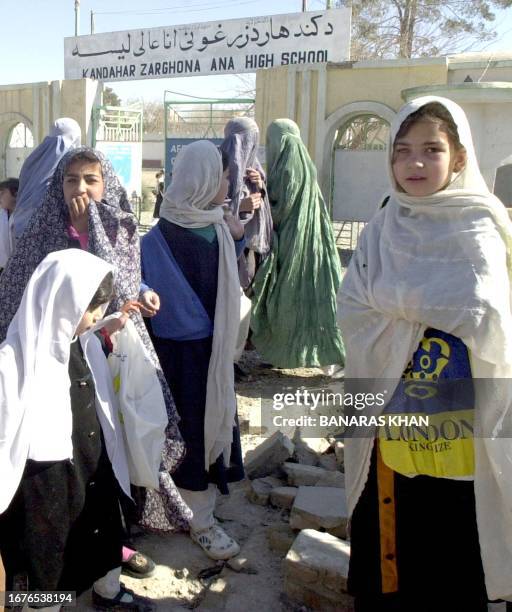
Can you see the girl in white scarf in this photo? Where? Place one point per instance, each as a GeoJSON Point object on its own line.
{"type": "Point", "coordinates": [61, 446]}
{"type": "Point", "coordinates": [436, 258]}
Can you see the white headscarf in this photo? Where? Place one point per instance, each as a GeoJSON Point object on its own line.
{"type": "Point", "coordinates": [35, 404]}
{"type": "Point", "coordinates": [196, 180]}
{"type": "Point", "coordinates": [440, 261]}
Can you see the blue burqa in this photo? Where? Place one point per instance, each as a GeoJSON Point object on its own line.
{"type": "Point", "coordinates": [38, 169]}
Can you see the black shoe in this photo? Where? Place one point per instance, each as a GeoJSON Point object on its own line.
{"type": "Point", "coordinates": [138, 603]}
{"type": "Point", "coordinates": [138, 566]}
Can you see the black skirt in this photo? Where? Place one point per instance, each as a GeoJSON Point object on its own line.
{"type": "Point", "coordinates": [437, 549]}
{"type": "Point", "coordinates": [63, 527]}
{"type": "Point", "coordinates": [185, 365]}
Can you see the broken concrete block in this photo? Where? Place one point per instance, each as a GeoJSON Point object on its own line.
{"type": "Point", "coordinates": [281, 538]}
{"type": "Point", "coordinates": [319, 445]}
{"type": "Point", "coordinates": [283, 497]}
{"type": "Point", "coordinates": [303, 475]}
{"type": "Point", "coordinates": [328, 462]}
{"type": "Point", "coordinates": [322, 508]}
{"type": "Point", "coordinates": [332, 479]}
{"type": "Point", "coordinates": [303, 454]}
{"type": "Point", "coordinates": [260, 488]}
{"type": "Point", "coordinates": [316, 571]}
{"type": "Point", "coordinates": [307, 450]}
{"type": "Point", "coordinates": [268, 456]}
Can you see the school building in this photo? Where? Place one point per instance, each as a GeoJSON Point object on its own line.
{"type": "Point", "coordinates": [343, 111]}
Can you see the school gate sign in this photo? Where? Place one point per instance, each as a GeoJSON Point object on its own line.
{"type": "Point", "coordinates": [227, 47]}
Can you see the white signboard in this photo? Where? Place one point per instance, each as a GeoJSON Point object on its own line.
{"type": "Point", "coordinates": [233, 46]}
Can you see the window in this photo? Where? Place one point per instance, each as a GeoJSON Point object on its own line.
{"type": "Point", "coordinates": [21, 137]}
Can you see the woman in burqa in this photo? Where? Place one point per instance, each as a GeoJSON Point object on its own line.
{"type": "Point", "coordinates": [38, 169]}
{"type": "Point", "coordinates": [247, 193]}
{"type": "Point", "coordinates": [294, 304]}
{"type": "Point", "coordinates": [112, 235]}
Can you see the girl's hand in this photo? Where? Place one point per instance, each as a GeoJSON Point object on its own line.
{"type": "Point", "coordinates": [236, 229]}
{"type": "Point", "coordinates": [255, 177]}
{"type": "Point", "coordinates": [79, 213]}
{"type": "Point", "coordinates": [250, 203]}
{"type": "Point", "coordinates": [149, 304]}
{"type": "Point", "coordinates": [115, 325]}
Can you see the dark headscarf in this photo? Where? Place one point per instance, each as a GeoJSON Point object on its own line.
{"type": "Point", "coordinates": [240, 144]}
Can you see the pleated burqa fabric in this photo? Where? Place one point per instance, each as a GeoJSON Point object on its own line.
{"type": "Point", "coordinates": [294, 304]}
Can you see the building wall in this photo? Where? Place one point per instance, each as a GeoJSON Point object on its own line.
{"type": "Point", "coordinates": [320, 99]}
{"type": "Point", "coordinates": [38, 105]}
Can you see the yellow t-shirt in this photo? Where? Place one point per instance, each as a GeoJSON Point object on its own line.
{"type": "Point", "coordinates": [437, 384]}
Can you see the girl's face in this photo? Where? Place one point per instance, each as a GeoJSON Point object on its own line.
{"type": "Point", "coordinates": [222, 194]}
{"type": "Point", "coordinates": [82, 178]}
{"type": "Point", "coordinates": [7, 200]}
{"type": "Point", "coordinates": [90, 318]}
{"type": "Point", "coordinates": [424, 159]}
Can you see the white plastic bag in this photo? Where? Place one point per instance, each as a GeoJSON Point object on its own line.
{"type": "Point", "coordinates": [141, 403]}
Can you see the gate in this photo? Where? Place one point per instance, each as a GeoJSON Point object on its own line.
{"type": "Point", "coordinates": [359, 175]}
{"type": "Point", "coordinates": [117, 132]}
{"type": "Point", "coordinates": [198, 118]}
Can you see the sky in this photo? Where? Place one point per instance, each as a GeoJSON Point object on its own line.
{"type": "Point", "coordinates": [31, 47]}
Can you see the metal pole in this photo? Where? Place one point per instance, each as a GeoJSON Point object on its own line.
{"type": "Point", "coordinates": [77, 16]}
{"type": "Point", "coordinates": [92, 22]}
{"type": "Point", "coordinates": [304, 5]}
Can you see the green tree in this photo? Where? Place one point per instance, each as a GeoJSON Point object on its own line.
{"type": "Point", "coordinates": [153, 117]}
{"type": "Point", "coordinates": [416, 28]}
{"type": "Point", "coordinates": [110, 98]}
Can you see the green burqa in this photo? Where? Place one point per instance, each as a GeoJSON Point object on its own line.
{"type": "Point", "coordinates": [294, 303]}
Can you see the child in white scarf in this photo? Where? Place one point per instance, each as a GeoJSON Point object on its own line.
{"type": "Point", "coordinates": [62, 455]}
{"type": "Point", "coordinates": [434, 261]}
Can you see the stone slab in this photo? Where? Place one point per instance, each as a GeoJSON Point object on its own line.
{"type": "Point", "coordinates": [268, 456]}
{"type": "Point", "coordinates": [316, 571]}
{"type": "Point", "coordinates": [260, 488]}
{"type": "Point", "coordinates": [303, 475]}
{"type": "Point", "coordinates": [283, 497]}
{"type": "Point", "coordinates": [322, 508]}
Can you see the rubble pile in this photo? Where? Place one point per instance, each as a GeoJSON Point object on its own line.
{"type": "Point", "coordinates": [305, 479]}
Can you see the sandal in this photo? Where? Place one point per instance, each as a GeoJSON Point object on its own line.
{"type": "Point", "coordinates": [135, 603]}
